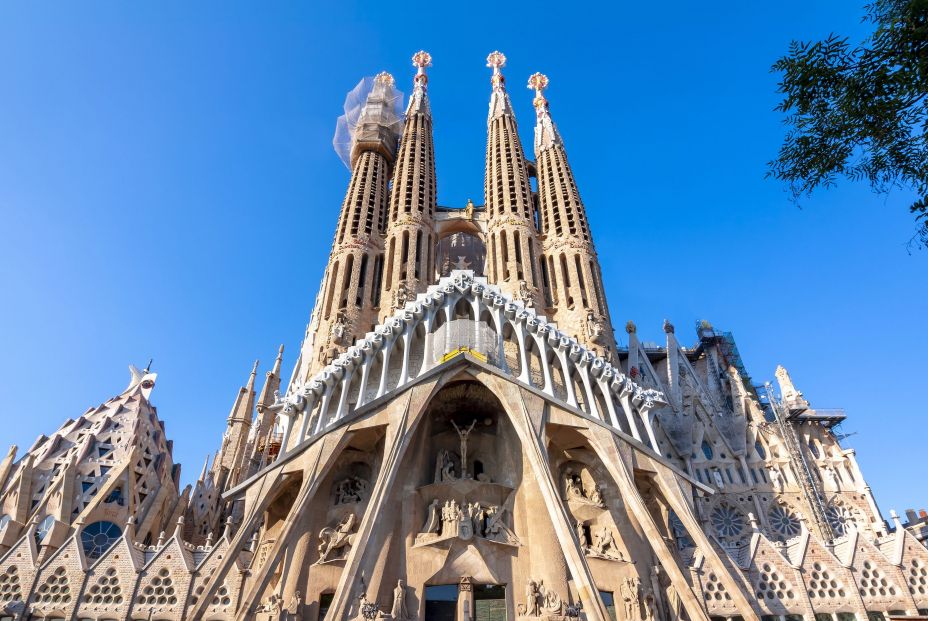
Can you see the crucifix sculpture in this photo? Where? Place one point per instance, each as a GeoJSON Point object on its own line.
{"type": "Point", "coordinates": [463, 435]}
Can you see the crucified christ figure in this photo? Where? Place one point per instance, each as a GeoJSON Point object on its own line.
{"type": "Point", "coordinates": [463, 434]}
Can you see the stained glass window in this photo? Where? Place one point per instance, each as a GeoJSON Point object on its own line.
{"type": "Point", "coordinates": [98, 537]}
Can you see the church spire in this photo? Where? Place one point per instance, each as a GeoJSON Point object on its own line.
{"type": "Point", "coordinates": [570, 267]}
{"type": "Point", "coordinates": [419, 102]}
{"type": "Point", "coordinates": [237, 431]}
{"type": "Point", "coordinates": [350, 294]}
{"type": "Point", "coordinates": [499, 98]}
{"type": "Point", "coordinates": [410, 239]}
{"type": "Point", "coordinates": [512, 235]}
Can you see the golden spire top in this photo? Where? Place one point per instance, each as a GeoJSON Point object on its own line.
{"type": "Point", "coordinates": [421, 60]}
{"type": "Point", "coordinates": [384, 78]}
{"type": "Point", "coordinates": [538, 82]}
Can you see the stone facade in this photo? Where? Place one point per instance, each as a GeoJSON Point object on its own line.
{"type": "Point", "coordinates": [462, 438]}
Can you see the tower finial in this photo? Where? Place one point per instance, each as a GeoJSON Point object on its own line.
{"type": "Point", "coordinates": [421, 60]}
{"type": "Point", "coordinates": [538, 82]}
{"type": "Point", "coordinates": [496, 60]}
{"type": "Point", "coordinates": [384, 78]}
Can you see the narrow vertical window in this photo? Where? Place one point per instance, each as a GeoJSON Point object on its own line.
{"type": "Point", "coordinates": [333, 283]}
{"type": "Point", "coordinates": [362, 278]}
{"type": "Point", "coordinates": [404, 256]}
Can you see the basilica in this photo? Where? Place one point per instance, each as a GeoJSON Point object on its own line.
{"type": "Point", "coordinates": [462, 437]}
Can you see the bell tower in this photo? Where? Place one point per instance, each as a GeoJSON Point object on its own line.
{"type": "Point", "coordinates": [512, 235]}
{"type": "Point", "coordinates": [410, 241]}
{"type": "Point", "coordinates": [573, 284]}
{"type": "Point", "coordinates": [346, 308]}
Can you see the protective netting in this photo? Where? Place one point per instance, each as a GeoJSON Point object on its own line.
{"type": "Point", "coordinates": [371, 107]}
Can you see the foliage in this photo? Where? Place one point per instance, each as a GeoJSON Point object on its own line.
{"type": "Point", "coordinates": [860, 112]}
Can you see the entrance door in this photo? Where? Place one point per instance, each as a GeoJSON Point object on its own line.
{"type": "Point", "coordinates": [489, 602]}
{"type": "Point", "coordinates": [441, 602]}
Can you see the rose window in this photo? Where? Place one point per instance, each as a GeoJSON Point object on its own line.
{"type": "Point", "coordinates": [98, 537]}
{"type": "Point", "coordinates": [839, 518]}
{"type": "Point", "coordinates": [783, 522]}
{"type": "Point", "coordinates": [727, 520]}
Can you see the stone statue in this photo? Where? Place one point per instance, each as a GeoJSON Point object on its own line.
{"type": "Point", "coordinates": [604, 545]}
{"type": "Point", "coordinates": [444, 467]}
{"type": "Point", "coordinates": [464, 435]}
{"type": "Point", "coordinates": [496, 530]}
{"type": "Point", "coordinates": [433, 523]}
{"type": "Point", "coordinates": [399, 612]}
{"type": "Point", "coordinates": [629, 590]}
{"type": "Point", "coordinates": [295, 607]}
{"type": "Point", "coordinates": [552, 602]}
{"type": "Point", "coordinates": [595, 329]}
{"type": "Point", "coordinates": [525, 295]}
{"type": "Point", "coordinates": [532, 597]}
{"type": "Point", "coordinates": [351, 490]}
{"type": "Point", "coordinates": [332, 539]}
{"type": "Point", "coordinates": [572, 483]}
{"type": "Point", "coordinates": [583, 488]}
{"type": "Point", "coordinates": [477, 516]}
{"type": "Point", "coordinates": [582, 537]}
{"type": "Point", "coordinates": [451, 515]}
{"type": "Point", "coordinates": [776, 478]}
{"type": "Point", "coordinates": [341, 329]}
{"type": "Point", "coordinates": [719, 482]}
{"type": "Point", "coordinates": [401, 296]}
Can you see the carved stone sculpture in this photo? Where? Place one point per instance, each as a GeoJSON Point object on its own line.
{"type": "Point", "coordinates": [464, 434]}
{"type": "Point", "coordinates": [582, 536]}
{"type": "Point", "coordinates": [582, 488]}
{"type": "Point", "coordinates": [629, 589]}
{"type": "Point", "coordinates": [295, 607]}
{"type": "Point", "coordinates": [399, 612]}
{"type": "Point", "coordinates": [333, 539]}
{"type": "Point", "coordinates": [776, 478]}
{"type": "Point", "coordinates": [351, 490]}
{"type": "Point", "coordinates": [444, 467]}
{"type": "Point", "coordinates": [433, 522]}
{"type": "Point", "coordinates": [532, 599]}
{"type": "Point", "coordinates": [595, 327]}
{"type": "Point", "coordinates": [496, 529]}
{"type": "Point", "coordinates": [401, 296]}
{"type": "Point", "coordinates": [604, 545]}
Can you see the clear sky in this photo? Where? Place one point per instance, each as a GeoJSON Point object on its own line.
{"type": "Point", "coordinates": [168, 189]}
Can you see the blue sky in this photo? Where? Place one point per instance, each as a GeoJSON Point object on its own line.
{"type": "Point", "coordinates": [168, 189]}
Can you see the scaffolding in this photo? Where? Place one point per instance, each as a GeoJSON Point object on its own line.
{"type": "Point", "coordinates": [810, 487]}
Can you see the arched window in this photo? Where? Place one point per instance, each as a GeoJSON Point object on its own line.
{"type": "Point", "coordinates": [707, 449]}
{"type": "Point", "coordinates": [98, 537]}
{"type": "Point", "coordinates": [4, 520]}
{"type": "Point", "coordinates": [42, 528]}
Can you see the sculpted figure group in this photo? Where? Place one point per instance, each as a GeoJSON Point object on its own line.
{"type": "Point", "coordinates": [582, 488]}
{"type": "Point", "coordinates": [603, 543]}
{"type": "Point", "coordinates": [335, 541]}
{"type": "Point", "coordinates": [351, 490]}
{"type": "Point", "coordinates": [449, 519]}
